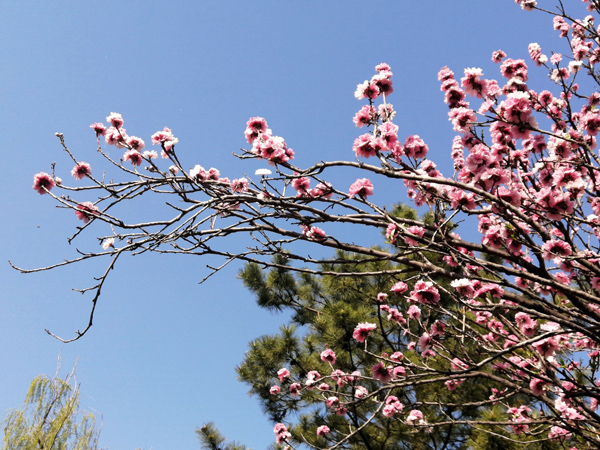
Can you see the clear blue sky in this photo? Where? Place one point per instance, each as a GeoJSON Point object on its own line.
{"type": "Point", "coordinates": [160, 360]}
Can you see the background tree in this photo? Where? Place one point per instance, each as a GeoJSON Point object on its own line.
{"type": "Point", "coordinates": [324, 312]}
{"type": "Point", "coordinates": [51, 419]}
{"type": "Point", "coordinates": [526, 294]}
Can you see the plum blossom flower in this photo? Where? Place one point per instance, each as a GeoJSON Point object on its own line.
{"type": "Point", "coordinates": [552, 249]}
{"type": "Point", "coordinates": [81, 170]}
{"type": "Point", "coordinates": [361, 187]}
{"type": "Point", "coordinates": [323, 430]}
{"type": "Point", "coordinates": [498, 55]}
{"type": "Point", "coordinates": [282, 374]}
{"type": "Point", "coordinates": [262, 172]}
{"type": "Point", "coordinates": [414, 417]}
{"type": "Point", "coordinates": [558, 433]}
{"type": "Point", "coordinates": [313, 233]}
{"type": "Point", "coordinates": [415, 147]}
{"type": "Point", "coordinates": [295, 389]}
{"type": "Point", "coordinates": [399, 288]}
{"type": "Point", "coordinates": [42, 182]}
{"type": "Point", "coordinates": [281, 433]}
{"type": "Point", "coordinates": [254, 128]}
{"type": "Point", "coordinates": [392, 406]}
{"type": "Point", "coordinates": [135, 143]}
{"type": "Point", "coordinates": [133, 156]}
{"type": "Point", "coordinates": [274, 390]}
{"type": "Point", "coordinates": [546, 347]}
{"type": "Point", "coordinates": [361, 392]}
{"type": "Point", "coordinates": [424, 292]}
{"type": "Point", "coordinates": [108, 243]}
{"type": "Point", "coordinates": [415, 231]}
{"type": "Point", "coordinates": [328, 356]}
{"type": "Point", "coordinates": [363, 330]}
{"type": "Point", "coordinates": [414, 312]}
{"type": "Point", "coordinates": [239, 185]}
{"type": "Point", "coordinates": [85, 211]}
{"type": "Point", "coordinates": [150, 154]}
{"type": "Point", "coordinates": [381, 372]}
{"type": "Point", "coordinates": [99, 128]}
{"type": "Point", "coordinates": [115, 119]}
{"type": "Point", "coordinates": [368, 89]}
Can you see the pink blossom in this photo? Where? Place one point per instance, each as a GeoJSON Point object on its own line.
{"type": "Point", "coordinates": [415, 147]}
{"type": "Point", "coordinates": [365, 116]}
{"type": "Point", "coordinates": [414, 417]}
{"type": "Point", "coordinates": [135, 143]}
{"type": "Point", "coordinates": [42, 182]}
{"type": "Point", "coordinates": [398, 371]}
{"type": "Point", "coordinates": [274, 150]}
{"type": "Point", "coordinates": [323, 430]}
{"type": "Point", "coordinates": [552, 249]}
{"type": "Point", "coordinates": [399, 288]}
{"type": "Point", "coordinates": [381, 372]}
{"type": "Point", "coordinates": [281, 433]}
{"type": "Point", "coordinates": [525, 323]}
{"type": "Point", "coordinates": [133, 156]}
{"type": "Point", "coordinates": [295, 389]}
{"type": "Point", "coordinates": [397, 356]}
{"type": "Point", "coordinates": [99, 128]}
{"type": "Point", "coordinates": [453, 383]}
{"type": "Point", "coordinates": [546, 347]}
{"type": "Point", "coordinates": [282, 374]}
{"type": "Point", "coordinates": [558, 433]}
{"type": "Point", "coordinates": [254, 128]}
{"type": "Point", "coordinates": [239, 185]}
{"type": "Point", "coordinates": [361, 187]}
{"type": "Point", "coordinates": [332, 401]}
{"type": "Point", "coordinates": [498, 55]}
{"type": "Point", "coordinates": [363, 330]}
{"type": "Point", "coordinates": [414, 312]}
{"type": "Point", "coordinates": [328, 356]}
{"type": "Point", "coordinates": [162, 136]}
{"type": "Point", "coordinates": [311, 379]}
{"type": "Point", "coordinates": [462, 119]}
{"type": "Point", "coordinates": [115, 120]}
{"type": "Point", "coordinates": [151, 154]}
{"type": "Point", "coordinates": [361, 392]}
{"type": "Point", "coordinates": [115, 136]}
{"type": "Point", "coordinates": [424, 292]}
{"type": "Point", "coordinates": [415, 231]}
{"type": "Point", "coordinates": [368, 89]}
{"type": "Point", "coordinates": [537, 386]}
{"type": "Point", "coordinates": [382, 297]}
{"type": "Point", "coordinates": [274, 390]}
{"type": "Point", "coordinates": [313, 233]}
{"type": "Point", "coordinates": [81, 170]}
{"type": "Point", "coordinates": [85, 211]}
{"type": "Point", "coordinates": [322, 190]}
{"type": "Point", "coordinates": [392, 406]}
{"type": "Point", "coordinates": [425, 342]}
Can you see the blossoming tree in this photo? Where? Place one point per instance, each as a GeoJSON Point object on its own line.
{"type": "Point", "coordinates": [527, 293]}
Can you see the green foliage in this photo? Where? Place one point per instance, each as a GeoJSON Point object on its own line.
{"type": "Point", "coordinates": [212, 439]}
{"type": "Point", "coordinates": [326, 309]}
{"type": "Point", "coordinates": [50, 419]}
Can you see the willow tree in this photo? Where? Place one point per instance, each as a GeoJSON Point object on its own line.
{"type": "Point", "coordinates": [50, 419]}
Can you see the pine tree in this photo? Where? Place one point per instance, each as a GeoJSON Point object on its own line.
{"type": "Point", "coordinates": [324, 312]}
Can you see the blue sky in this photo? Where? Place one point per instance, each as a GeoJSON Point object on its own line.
{"type": "Point", "coordinates": [160, 359]}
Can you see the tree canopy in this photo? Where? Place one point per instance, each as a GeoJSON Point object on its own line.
{"type": "Point", "coordinates": [494, 338]}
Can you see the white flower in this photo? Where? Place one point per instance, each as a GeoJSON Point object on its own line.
{"type": "Point", "coordinates": [463, 282]}
{"type": "Point", "coordinates": [108, 243]}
